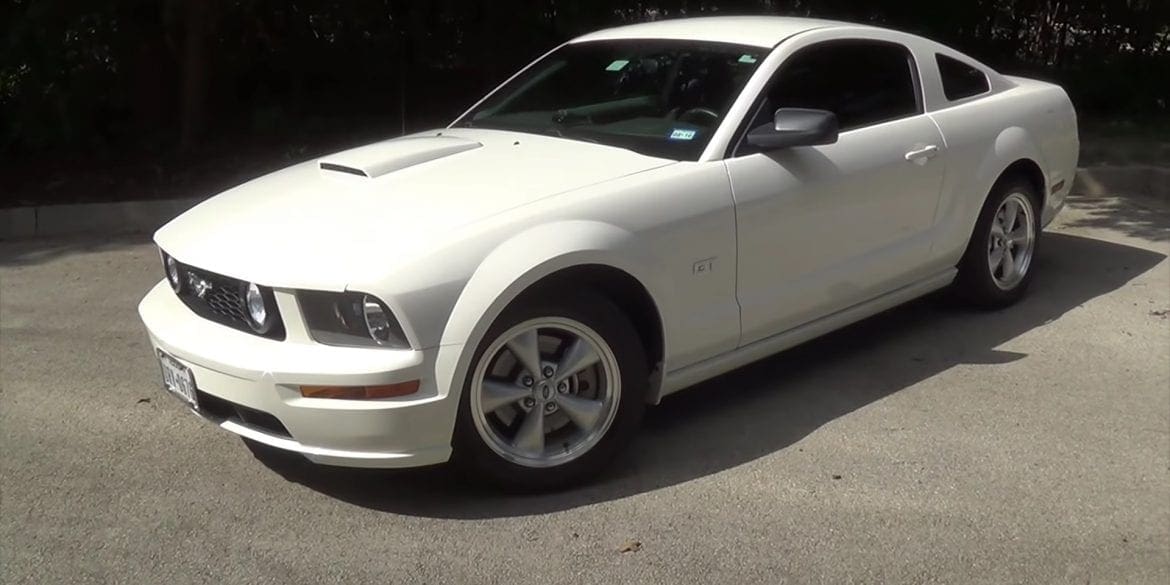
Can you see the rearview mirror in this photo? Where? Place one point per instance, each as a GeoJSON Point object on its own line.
{"type": "Point", "coordinates": [795, 127]}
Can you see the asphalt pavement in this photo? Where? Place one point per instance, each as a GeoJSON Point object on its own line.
{"type": "Point", "coordinates": [930, 444]}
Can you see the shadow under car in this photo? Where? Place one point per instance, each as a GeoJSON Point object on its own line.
{"type": "Point", "coordinates": [767, 406]}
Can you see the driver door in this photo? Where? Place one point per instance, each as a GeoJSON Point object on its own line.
{"type": "Point", "coordinates": [822, 228]}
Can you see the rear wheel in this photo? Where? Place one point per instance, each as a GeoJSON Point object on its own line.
{"type": "Point", "coordinates": [554, 391]}
{"type": "Point", "coordinates": [998, 265]}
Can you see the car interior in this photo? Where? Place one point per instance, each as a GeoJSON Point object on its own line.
{"type": "Point", "coordinates": [662, 98]}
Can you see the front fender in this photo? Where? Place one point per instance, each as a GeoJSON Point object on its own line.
{"type": "Point", "coordinates": [521, 261]}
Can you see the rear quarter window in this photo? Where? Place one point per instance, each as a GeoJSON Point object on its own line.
{"type": "Point", "coordinates": [960, 80]}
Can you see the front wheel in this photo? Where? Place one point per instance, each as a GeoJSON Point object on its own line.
{"type": "Point", "coordinates": [998, 265]}
{"type": "Point", "coordinates": [554, 391]}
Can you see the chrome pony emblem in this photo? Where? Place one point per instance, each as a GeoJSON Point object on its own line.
{"type": "Point", "coordinates": [198, 285]}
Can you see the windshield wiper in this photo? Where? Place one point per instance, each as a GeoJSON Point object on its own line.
{"type": "Point", "coordinates": [560, 132]}
{"type": "Point", "coordinates": [569, 118]}
{"type": "Point", "coordinates": [557, 131]}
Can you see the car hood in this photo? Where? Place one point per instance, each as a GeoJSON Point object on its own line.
{"type": "Point", "coordinates": [317, 224]}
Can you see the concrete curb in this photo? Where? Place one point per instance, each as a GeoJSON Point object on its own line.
{"type": "Point", "coordinates": [146, 216]}
{"type": "Point", "coordinates": [83, 218]}
{"type": "Point", "coordinates": [1148, 181]}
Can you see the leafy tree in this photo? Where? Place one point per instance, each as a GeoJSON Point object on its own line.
{"type": "Point", "coordinates": [163, 75]}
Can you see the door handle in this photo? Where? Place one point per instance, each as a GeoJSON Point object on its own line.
{"type": "Point", "coordinates": [922, 155]}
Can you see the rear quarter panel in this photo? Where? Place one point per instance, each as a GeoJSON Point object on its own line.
{"type": "Point", "coordinates": [1030, 120]}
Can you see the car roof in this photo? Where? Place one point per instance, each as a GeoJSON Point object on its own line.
{"type": "Point", "coordinates": [760, 31]}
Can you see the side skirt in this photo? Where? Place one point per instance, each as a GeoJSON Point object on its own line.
{"type": "Point", "coordinates": [682, 378]}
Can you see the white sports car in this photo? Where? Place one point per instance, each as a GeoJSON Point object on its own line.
{"type": "Point", "coordinates": [640, 209]}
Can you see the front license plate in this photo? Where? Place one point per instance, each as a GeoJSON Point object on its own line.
{"type": "Point", "coordinates": [177, 379]}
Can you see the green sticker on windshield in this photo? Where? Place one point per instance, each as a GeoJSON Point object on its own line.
{"type": "Point", "coordinates": [618, 65]}
{"type": "Point", "coordinates": [745, 58]}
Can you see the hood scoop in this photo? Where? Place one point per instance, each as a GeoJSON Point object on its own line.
{"type": "Point", "coordinates": [382, 158]}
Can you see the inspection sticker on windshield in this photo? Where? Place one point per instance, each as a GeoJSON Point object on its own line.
{"type": "Point", "coordinates": [681, 134]}
{"type": "Point", "coordinates": [746, 58]}
{"type": "Point", "coordinates": [618, 65]}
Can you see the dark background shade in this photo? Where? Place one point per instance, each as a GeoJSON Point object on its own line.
{"type": "Point", "coordinates": [149, 98]}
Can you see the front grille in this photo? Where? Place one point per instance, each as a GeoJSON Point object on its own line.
{"type": "Point", "coordinates": [219, 409]}
{"type": "Point", "coordinates": [227, 303]}
{"type": "Point", "coordinates": [220, 298]}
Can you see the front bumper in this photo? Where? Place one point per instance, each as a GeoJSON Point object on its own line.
{"type": "Point", "coordinates": [263, 376]}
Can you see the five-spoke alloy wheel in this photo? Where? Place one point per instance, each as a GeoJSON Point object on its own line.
{"type": "Point", "coordinates": [1013, 236]}
{"type": "Point", "coordinates": [554, 390]}
{"type": "Point", "coordinates": [997, 266]}
{"type": "Point", "coordinates": [546, 392]}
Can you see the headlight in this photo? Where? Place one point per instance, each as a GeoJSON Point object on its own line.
{"type": "Point", "coordinates": [379, 323]}
{"type": "Point", "coordinates": [255, 301]}
{"type": "Point", "coordinates": [352, 318]}
{"type": "Point", "coordinates": [172, 269]}
{"type": "Point", "coordinates": [260, 304]}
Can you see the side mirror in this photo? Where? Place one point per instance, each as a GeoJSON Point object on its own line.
{"type": "Point", "coordinates": [795, 127]}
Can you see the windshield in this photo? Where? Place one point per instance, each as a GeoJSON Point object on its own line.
{"type": "Point", "coordinates": [661, 98]}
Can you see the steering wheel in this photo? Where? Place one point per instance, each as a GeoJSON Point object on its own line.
{"type": "Point", "coordinates": [700, 116]}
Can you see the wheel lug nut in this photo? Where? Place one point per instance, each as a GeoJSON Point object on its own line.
{"type": "Point", "coordinates": [526, 380]}
{"type": "Point", "coordinates": [563, 387]}
{"type": "Point", "coordinates": [528, 402]}
{"type": "Point", "coordinates": [548, 371]}
{"type": "Point", "coordinates": [550, 407]}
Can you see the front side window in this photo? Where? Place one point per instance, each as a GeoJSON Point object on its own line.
{"type": "Point", "coordinates": [862, 82]}
{"type": "Point", "coordinates": [661, 98]}
{"type": "Point", "coordinates": [960, 80]}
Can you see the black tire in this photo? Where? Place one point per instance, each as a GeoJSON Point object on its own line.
{"type": "Point", "coordinates": [976, 282]}
{"type": "Point", "coordinates": [474, 457]}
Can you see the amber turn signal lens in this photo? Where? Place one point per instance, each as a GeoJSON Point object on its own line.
{"type": "Point", "coordinates": [360, 392]}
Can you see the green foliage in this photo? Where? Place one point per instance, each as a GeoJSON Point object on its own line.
{"type": "Point", "coordinates": [85, 76]}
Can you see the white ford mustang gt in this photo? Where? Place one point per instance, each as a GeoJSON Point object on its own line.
{"type": "Point", "coordinates": [638, 210]}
